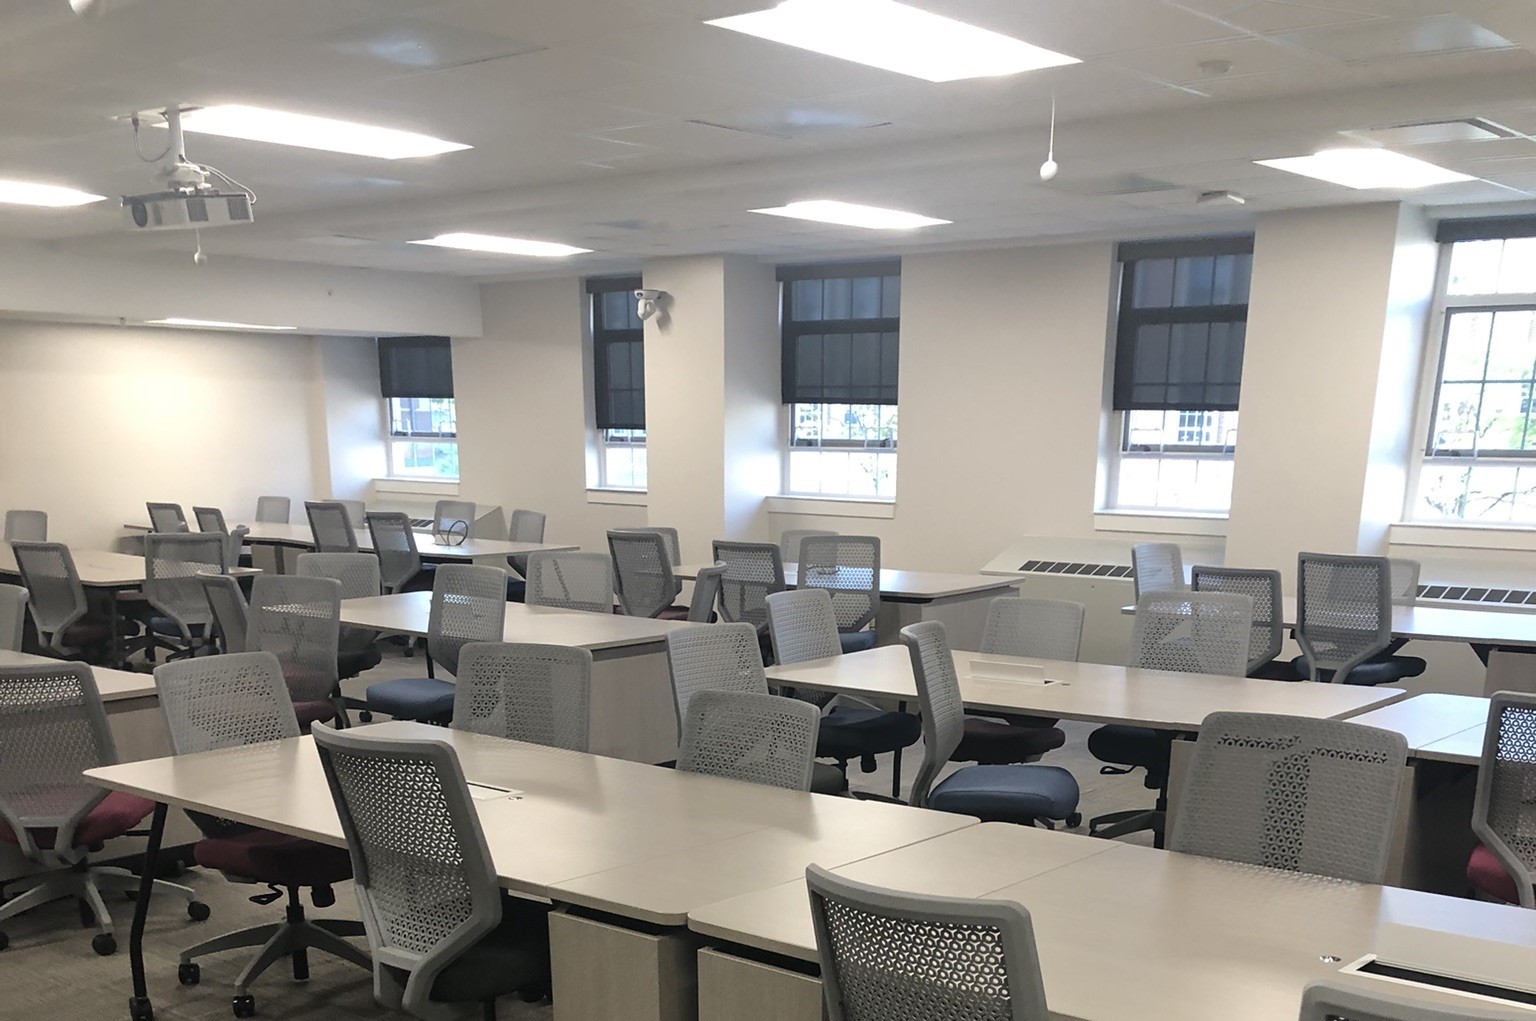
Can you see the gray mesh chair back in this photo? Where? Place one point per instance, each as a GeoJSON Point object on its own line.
{"type": "Point", "coordinates": [713, 657]}
{"type": "Point", "coordinates": [706, 593]}
{"type": "Point", "coordinates": [173, 566]}
{"type": "Point", "coordinates": [642, 572]}
{"type": "Point", "coordinates": [887, 955]}
{"type": "Point", "coordinates": [789, 542]}
{"type": "Point", "coordinates": [166, 517]}
{"type": "Point", "coordinates": [395, 545]}
{"type": "Point", "coordinates": [1192, 632]}
{"type": "Point", "coordinates": [938, 692]}
{"type": "Point", "coordinates": [214, 702]}
{"type": "Point", "coordinates": [669, 539]}
{"type": "Point", "coordinates": [298, 620]}
{"type": "Point", "coordinates": [469, 604]}
{"type": "Point", "coordinates": [26, 526]}
{"type": "Point", "coordinates": [1404, 582]}
{"type": "Point", "coordinates": [53, 587]}
{"type": "Point", "coordinates": [1291, 793]}
{"type": "Point", "coordinates": [454, 516]}
{"type": "Point", "coordinates": [52, 726]}
{"type": "Point", "coordinates": [331, 526]}
{"type": "Point", "coordinates": [1036, 628]}
{"type": "Point", "coordinates": [358, 573]}
{"type": "Point", "coordinates": [1263, 587]}
{"type": "Point", "coordinates": [13, 616]}
{"type": "Point", "coordinates": [802, 627]}
{"type": "Point", "coordinates": [541, 694]}
{"type": "Point", "coordinates": [1334, 1001]}
{"type": "Point", "coordinates": [209, 519]}
{"type": "Point", "coordinates": [357, 511]}
{"type": "Point", "coordinates": [423, 875]}
{"type": "Point", "coordinates": [571, 581]}
{"type": "Point", "coordinates": [274, 510]}
{"type": "Point", "coordinates": [848, 568]}
{"type": "Point", "coordinates": [527, 526]}
{"type": "Point", "coordinates": [750, 736]}
{"type": "Point", "coordinates": [1343, 611]}
{"type": "Point", "coordinates": [753, 571]}
{"type": "Point", "coordinates": [230, 613]}
{"type": "Point", "coordinates": [1503, 812]}
{"type": "Point", "coordinates": [1157, 567]}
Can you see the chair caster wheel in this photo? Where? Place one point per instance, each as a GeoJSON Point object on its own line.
{"type": "Point", "coordinates": [1074, 820]}
{"type": "Point", "coordinates": [104, 943]}
{"type": "Point", "coordinates": [140, 1009]}
{"type": "Point", "coordinates": [198, 911]}
{"type": "Point", "coordinates": [189, 973]}
{"type": "Point", "coordinates": [365, 716]}
{"type": "Point", "coordinates": [243, 1006]}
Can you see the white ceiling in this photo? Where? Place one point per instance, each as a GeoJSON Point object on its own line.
{"type": "Point", "coordinates": [598, 122]}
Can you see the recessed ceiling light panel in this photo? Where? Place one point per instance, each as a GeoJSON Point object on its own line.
{"type": "Point", "coordinates": [1367, 168]}
{"type": "Point", "coordinates": [216, 324]}
{"type": "Point", "coordinates": [850, 214]}
{"type": "Point", "coordinates": [495, 245]}
{"type": "Point", "coordinates": [51, 196]}
{"type": "Point", "coordinates": [894, 37]}
{"type": "Point", "coordinates": [281, 128]}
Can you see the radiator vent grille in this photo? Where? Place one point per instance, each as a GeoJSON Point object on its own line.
{"type": "Point", "coordinates": [1063, 567]}
{"type": "Point", "coordinates": [1478, 594]}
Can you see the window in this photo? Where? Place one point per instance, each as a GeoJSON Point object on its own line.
{"type": "Point", "coordinates": [840, 332]}
{"type": "Point", "coordinates": [1479, 461]}
{"type": "Point", "coordinates": [1178, 370]}
{"type": "Point", "coordinates": [618, 378]}
{"type": "Point", "coordinates": [416, 381]}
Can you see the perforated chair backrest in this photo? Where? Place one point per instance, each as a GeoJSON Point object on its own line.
{"type": "Point", "coordinates": [888, 955]}
{"type": "Point", "coordinates": [213, 702]}
{"type": "Point", "coordinates": [1292, 793]}
{"type": "Point", "coordinates": [750, 736]}
{"type": "Point", "coordinates": [173, 564]}
{"type": "Point", "coordinates": [848, 567]}
{"type": "Point", "coordinates": [1263, 587]}
{"type": "Point", "coordinates": [358, 573]}
{"type": "Point", "coordinates": [298, 620]}
{"type": "Point", "coordinates": [26, 526]}
{"type": "Point", "coordinates": [450, 515]}
{"type": "Point", "coordinates": [1504, 812]}
{"type": "Point", "coordinates": [1192, 632]}
{"type": "Point", "coordinates": [357, 512]}
{"type": "Point", "coordinates": [331, 526]}
{"type": "Point", "coordinates": [526, 692]}
{"type": "Point", "coordinates": [789, 542]}
{"type": "Point", "coordinates": [227, 604]}
{"type": "Point", "coordinates": [425, 883]}
{"type": "Point", "coordinates": [52, 726]}
{"type": "Point", "coordinates": [669, 539]}
{"type": "Point", "coordinates": [395, 545]}
{"type": "Point", "coordinates": [1334, 1001]}
{"type": "Point", "coordinates": [13, 616]}
{"type": "Point", "coordinates": [1036, 628]}
{"type": "Point", "coordinates": [274, 510]}
{"type": "Point", "coordinates": [526, 526]}
{"type": "Point", "coordinates": [713, 657]}
{"type": "Point", "coordinates": [802, 627]}
{"type": "Point", "coordinates": [753, 571]}
{"type": "Point", "coordinates": [1157, 567]}
{"type": "Point", "coordinates": [469, 604]}
{"type": "Point", "coordinates": [166, 517]}
{"type": "Point", "coordinates": [53, 587]}
{"type": "Point", "coordinates": [571, 581]}
{"type": "Point", "coordinates": [938, 692]}
{"type": "Point", "coordinates": [209, 519]}
{"type": "Point", "coordinates": [1404, 581]}
{"type": "Point", "coordinates": [642, 572]}
{"type": "Point", "coordinates": [706, 593]}
{"type": "Point", "coordinates": [1343, 611]}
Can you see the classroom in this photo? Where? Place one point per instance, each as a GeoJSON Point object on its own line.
{"type": "Point", "coordinates": [724, 510]}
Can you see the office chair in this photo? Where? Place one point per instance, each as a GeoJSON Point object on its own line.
{"type": "Point", "coordinates": [331, 524]}
{"type": "Point", "coordinates": [1268, 631]}
{"type": "Point", "coordinates": [571, 581]}
{"type": "Point", "coordinates": [273, 509]}
{"type": "Point", "coordinates": [1344, 621]}
{"type": "Point", "coordinates": [178, 618]}
{"type": "Point", "coordinates": [13, 617]}
{"type": "Point", "coordinates": [909, 957]}
{"type": "Point", "coordinates": [1157, 567]}
{"type": "Point", "coordinates": [230, 613]}
{"type": "Point", "coordinates": [228, 702]}
{"type": "Point", "coordinates": [706, 595]}
{"type": "Point", "coordinates": [643, 573]}
{"type": "Point", "coordinates": [469, 604]}
{"type": "Point", "coordinates": [65, 622]}
{"type": "Point", "coordinates": [166, 517]}
{"type": "Point", "coordinates": [1291, 793]}
{"type": "Point", "coordinates": [1034, 629]}
{"type": "Point", "coordinates": [541, 694]}
{"type": "Point", "coordinates": [753, 571]}
{"type": "Point", "coordinates": [1404, 581]}
{"type": "Point", "coordinates": [713, 657]}
{"type": "Point", "coordinates": [394, 543]}
{"type": "Point", "coordinates": [1503, 814]}
{"type": "Point", "coordinates": [439, 926]}
{"type": "Point", "coordinates": [848, 568]}
{"type": "Point", "coordinates": [527, 526]}
{"type": "Point", "coordinates": [298, 620]}
{"type": "Point", "coordinates": [357, 511]}
{"type": "Point", "coordinates": [789, 542]}
{"type": "Point", "coordinates": [52, 727]}
{"type": "Point", "coordinates": [358, 575]}
{"type": "Point", "coordinates": [26, 526]}
{"type": "Point", "coordinates": [211, 519]}
{"type": "Point", "coordinates": [1375, 1000]}
{"type": "Point", "coordinates": [1017, 793]}
{"type": "Point", "coordinates": [669, 539]}
{"type": "Point", "coordinates": [754, 737]}
{"type": "Point", "coordinates": [1187, 632]}
{"type": "Point", "coordinates": [452, 516]}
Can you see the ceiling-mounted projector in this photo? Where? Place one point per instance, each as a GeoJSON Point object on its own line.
{"type": "Point", "coordinates": [186, 200]}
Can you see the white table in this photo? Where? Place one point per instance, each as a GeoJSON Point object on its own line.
{"type": "Point", "coordinates": [633, 712]}
{"type": "Point", "coordinates": [1428, 721]}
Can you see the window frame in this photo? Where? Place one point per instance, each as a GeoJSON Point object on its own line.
{"type": "Point", "coordinates": [596, 288]}
{"type": "Point", "coordinates": [395, 439]}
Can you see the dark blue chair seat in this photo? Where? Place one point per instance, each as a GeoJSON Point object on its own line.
{"type": "Point", "coordinates": [857, 641]}
{"type": "Point", "coordinates": [1388, 670]}
{"type": "Point", "coordinates": [1017, 794]}
{"type": "Point", "coordinates": [412, 698]}
{"type": "Point", "coordinates": [853, 733]}
{"type": "Point", "coordinates": [510, 958]}
{"type": "Point", "coordinates": [352, 663]}
{"type": "Point", "coordinates": [168, 627]}
{"type": "Point", "coordinates": [517, 590]}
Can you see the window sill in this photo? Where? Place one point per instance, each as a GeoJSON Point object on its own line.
{"type": "Point", "coordinates": [432, 487]}
{"type": "Point", "coordinates": [1464, 535]}
{"type": "Point", "coordinates": [1159, 522]}
{"type": "Point", "coordinates": [831, 506]}
{"type": "Point", "coordinates": [619, 497]}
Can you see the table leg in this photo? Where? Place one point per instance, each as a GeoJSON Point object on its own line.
{"type": "Point", "coordinates": [901, 707]}
{"type": "Point", "coordinates": [117, 634]}
{"type": "Point", "coordinates": [139, 1007]}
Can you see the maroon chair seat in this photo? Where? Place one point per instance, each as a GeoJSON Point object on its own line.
{"type": "Point", "coordinates": [1489, 877]}
{"type": "Point", "coordinates": [310, 713]}
{"type": "Point", "coordinates": [275, 858]}
{"type": "Point", "coordinates": [117, 814]}
{"type": "Point", "coordinates": [673, 613]}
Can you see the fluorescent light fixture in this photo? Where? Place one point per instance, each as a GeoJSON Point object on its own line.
{"type": "Point", "coordinates": [1366, 168]}
{"type": "Point", "coordinates": [215, 324]}
{"type": "Point", "coordinates": [895, 37]}
{"type": "Point", "coordinates": [850, 214]}
{"type": "Point", "coordinates": [306, 132]}
{"type": "Point", "coordinates": [25, 193]}
{"type": "Point", "coordinates": [496, 245]}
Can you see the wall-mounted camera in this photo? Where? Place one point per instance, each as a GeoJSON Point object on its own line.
{"type": "Point", "coordinates": [648, 303]}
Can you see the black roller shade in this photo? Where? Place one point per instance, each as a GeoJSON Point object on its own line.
{"type": "Point", "coordinates": [1182, 324]}
{"type": "Point", "coordinates": [1486, 228]}
{"type": "Point", "coordinates": [618, 353]}
{"type": "Point", "coordinates": [415, 367]}
{"type": "Point", "coordinates": [840, 333]}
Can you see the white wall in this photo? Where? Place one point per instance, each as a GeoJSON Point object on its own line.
{"type": "Point", "coordinates": [350, 447]}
